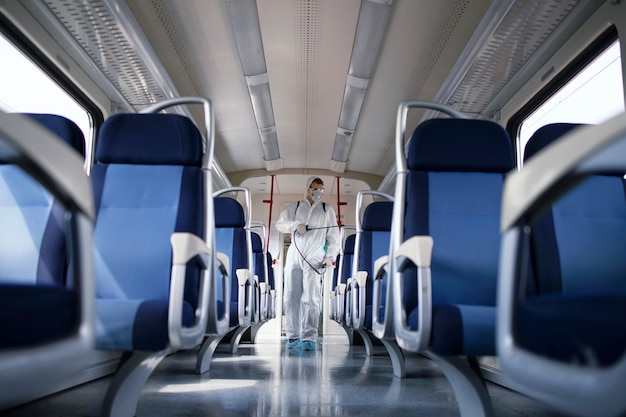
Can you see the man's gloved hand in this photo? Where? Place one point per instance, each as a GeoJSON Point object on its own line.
{"type": "Point", "coordinates": [328, 262]}
{"type": "Point", "coordinates": [301, 229]}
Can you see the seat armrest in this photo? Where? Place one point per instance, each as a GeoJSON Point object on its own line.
{"type": "Point", "coordinates": [418, 251]}
{"type": "Point", "coordinates": [217, 326]}
{"type": "Point", "coordinates": [246, 296]}
{"type": "Point", "coordinates": [358, 299]}
{"type": "Point", "coordinates": [350, 285]}
{"type": "Point", "coordinates": [223, 263]}
{"type": "Point", "coordinates": [361, 279]}
{"type": "Point", "coordinates": [263, 299]}
{"type": "Point", "coordinates": [340, 294]}
{"type": "Point", "coordinates": [382, 329]}
{"type": "Point", "coordinates": [379, 264]}
{"type": "Point", "coordinates": [187, 247]}
{"type": "Point", "coordinates": [244, 276]}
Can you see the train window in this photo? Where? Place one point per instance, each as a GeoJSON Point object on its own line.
{"type": "Point", "coordinates": [593, 95]}
{"type": "Point", "coordinates": [24, 87]}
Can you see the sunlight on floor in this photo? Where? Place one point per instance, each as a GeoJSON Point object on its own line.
{"type": "Point", "coordinates": [209, 385]}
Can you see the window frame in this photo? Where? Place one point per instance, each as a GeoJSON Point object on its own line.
{"type": "Point", "coordinates": [598, 46]}
{"type": "Point", "coordinates": [39, 59]}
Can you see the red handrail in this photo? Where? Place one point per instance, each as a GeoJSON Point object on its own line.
{"type": "Point", "coordinates": [269, 220]}
{"type": "Point", "coordinates": [339, 204]}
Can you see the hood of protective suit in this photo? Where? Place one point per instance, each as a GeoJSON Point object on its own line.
{"type": "Point", "coordinates": [309, 181]}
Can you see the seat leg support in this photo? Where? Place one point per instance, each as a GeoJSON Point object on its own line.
{"type": "Point", "coordinates": [254, 330]}
{"type": "Point", "coordinates": [205, 354]}
{"type": "Point", "coordinates": [468, 386]}
{"type": "Point", "coordinates": [369, 346]}
{"type": "Point", "coordinates": [122, 396]}
{"type": "Point", "coordinates": [234, 341]}
{"type": "Point", "coordinates": [397, 358]}
{"type": "Point", "coordinates": [349, 332]}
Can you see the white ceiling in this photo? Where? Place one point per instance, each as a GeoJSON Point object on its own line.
{"type": "Point", "coordinates": [143, 51]}
{"type": "Point", "coordinates": [307, 46]}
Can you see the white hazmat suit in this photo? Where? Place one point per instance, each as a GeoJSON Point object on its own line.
{"type": "Point", "coordinates": [304, 264]}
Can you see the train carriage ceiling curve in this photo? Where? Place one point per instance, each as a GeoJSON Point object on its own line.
{"type": "Point", "coordinates": [466, 53]}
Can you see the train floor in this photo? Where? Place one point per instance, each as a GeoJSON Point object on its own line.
{"type": "Point", "coordinates": [266, 379]}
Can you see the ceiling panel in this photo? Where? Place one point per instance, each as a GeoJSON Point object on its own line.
{"type": "Point", "coordinates": [307, 50]}
{"type": "Point", "coordinates": [307, 47]}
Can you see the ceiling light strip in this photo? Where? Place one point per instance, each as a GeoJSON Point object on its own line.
{"type": "Point", "coordinates": [244, 19]}
{"type": "Point", "coordinates": [371, 28]}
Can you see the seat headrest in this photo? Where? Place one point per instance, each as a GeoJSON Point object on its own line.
{"type": "Point", "coordinates": [348, 246]}
{"type": "Point", "coordinates": [61, 126]}
{"type": "Point", "coordinates": [545, 135]}
{"type": "Point", "coordinates": [150, 139]}
{"type": "Point", "coordinates": [228, 212]}
{"type": "Point", "coordinates": [377, 216]}
{"type": "Point", "coordinates": [257, 244]}
{"type": "Point", "coordinates": [466, 145]}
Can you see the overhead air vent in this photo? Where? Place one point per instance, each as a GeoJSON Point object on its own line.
{"type": "Point", "coordinates": [115, 46]}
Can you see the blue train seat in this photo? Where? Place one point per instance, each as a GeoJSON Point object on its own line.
{"type": "Point", "coordinates": [344, 272]}
{"type": "Point", "coordinates": [372, 249]}
{"type": "Point", "coordinates": [590, 219]}
{"type": "Point", "coordinates": [261, 294]}
{"type": "Point", "coordinates": [232, 238]}
{"type": "Point", "coordinates": [259, 269]}
{"type": "Point", "coordinates": [372, 243]}
{"type": "Point", "coordinates": [265, 296]}
{"type": "Point", "coordinates": [263, 263]}
{"type": "Point", "coordinates": [152, 264]}
{"type": "Point", "coordinates": [573, 328]}
{"type": "Point", "coordinates": [271, 283]}
{"type": "Point", "coordinates": [333, 307]}
{"type": "Point", "coordinates": [46, 280]}
{"type": "Point", "coordinates": [445, 295]}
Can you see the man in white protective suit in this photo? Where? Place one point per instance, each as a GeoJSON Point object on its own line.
{"type": "Point", "coordinates": [314, 247]}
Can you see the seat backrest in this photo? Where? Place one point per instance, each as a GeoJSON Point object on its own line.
{"type": "Point", "coordinates": [230, 239]}
{"type": "Point", "coordinates": [270, 270]}
{"type": "Point", "coordinates": [373, 243]}
{"type": "Point", "coordinates": [343, 270]}
{"type": "Point", "coordinates": [258, 257]}
{"type": "Point", "coordinates": [32, 243]}
{"type": "Point", "coordinates": [373, 240]}
{"type": "Point", "coordinates": [147, 183]}
{"type": "Point", "coordinates": [347, 259]}
{"type": "Point", "coordinates": [546, 135]}
{"type": "Point", "coordinates": [590, 217]}
{"type": "Point", "coordinates": [453, 193]}
{"type": "Point", "coordinates": [337, 271]}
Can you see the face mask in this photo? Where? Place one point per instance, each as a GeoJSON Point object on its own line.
{"type": "Point", "coordinates": [317, 196]}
